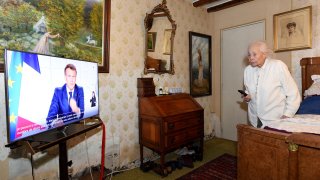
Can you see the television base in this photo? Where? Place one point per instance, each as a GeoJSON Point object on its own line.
{"type": "Point", "coordinates": [43, 141]}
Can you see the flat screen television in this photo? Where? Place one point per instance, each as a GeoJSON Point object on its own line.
{"type": "Point", "coordinates": [45, 92]}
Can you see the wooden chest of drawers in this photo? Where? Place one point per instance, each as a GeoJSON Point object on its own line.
{"type": "Point", "coordinates": [169, 122]}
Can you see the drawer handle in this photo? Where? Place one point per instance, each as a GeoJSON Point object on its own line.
{"type": "Point", "coordinates": [171, 126]}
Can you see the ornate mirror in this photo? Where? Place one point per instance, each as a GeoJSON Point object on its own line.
{"type": "Point", "coordinates": [160, 30]}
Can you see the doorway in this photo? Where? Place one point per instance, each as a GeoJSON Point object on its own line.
{"type": "Point", "coordinates": [234, 45]}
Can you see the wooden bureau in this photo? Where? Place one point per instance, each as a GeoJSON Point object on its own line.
{"type": "Point", "coordinates": [169, 122]}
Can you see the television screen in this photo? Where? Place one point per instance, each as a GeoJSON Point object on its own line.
{"type": "Point", "coordinates": [45, 92]}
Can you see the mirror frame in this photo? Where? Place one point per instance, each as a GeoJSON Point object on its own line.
{"type": "Point", "coordinates": [160, 10]}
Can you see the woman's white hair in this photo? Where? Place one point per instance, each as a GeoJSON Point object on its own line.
{"type": "Point", "coordinates": [263, 47]}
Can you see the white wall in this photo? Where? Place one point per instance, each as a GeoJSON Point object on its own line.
{"type": "Point", "coordinates": [315, 51]}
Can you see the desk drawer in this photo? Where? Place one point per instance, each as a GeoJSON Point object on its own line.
{"type": "Point", "coordinates": [171, 126]}
{"type": "Point", "coordinates": [184, 136]}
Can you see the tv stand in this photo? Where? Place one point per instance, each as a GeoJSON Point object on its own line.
{"type": "Point", "coordinates": [43, 141]}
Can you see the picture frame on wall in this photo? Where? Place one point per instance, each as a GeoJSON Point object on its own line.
{"type": "Point", "coordinates": [167, 41]}
{"type": "Point", "coordinates": [79, 31]}
{"type": "Point", "coordinates": [293, 30]}
{"type": "Point", "coordinates": [151, 41]}
{"type": "Point", "coordinates": [200, 64]}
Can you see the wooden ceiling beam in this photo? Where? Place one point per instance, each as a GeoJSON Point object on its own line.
{"type": "Point", "coordinates": [227, 5]}
{"type": "Point", "coordinates": [203, 2]}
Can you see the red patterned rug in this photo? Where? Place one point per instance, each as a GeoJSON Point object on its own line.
{"type": "Point", "coordinates": [223, 167]}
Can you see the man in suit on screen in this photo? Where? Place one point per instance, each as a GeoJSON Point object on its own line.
{"type": "Point", "coordinates": [68, 101]}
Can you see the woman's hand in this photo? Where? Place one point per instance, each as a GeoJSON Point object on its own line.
{"type": "Point", "coordinates": [246, 98]}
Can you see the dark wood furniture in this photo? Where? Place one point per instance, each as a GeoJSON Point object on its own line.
{"type": "Point", "coordinates": [269, 154]}
{"type": "Point", "coordinates": [262, 154]}
{"type": "Point", "coordinates": [146, 87]}
{"type": "Point", "coordinates": [309, 66]}
{"type": "Point", "coordinates": [169, 122]}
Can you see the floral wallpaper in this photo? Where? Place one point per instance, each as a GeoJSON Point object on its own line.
{"type": "Point", "coordinates": [118, 91]}
{"type": "Point", "coordinates": [127, 63]}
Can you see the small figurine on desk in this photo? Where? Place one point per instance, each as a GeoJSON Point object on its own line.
{"type": "Point", "coordinates": [160, 91]}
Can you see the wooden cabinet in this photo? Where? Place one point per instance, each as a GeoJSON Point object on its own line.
{"type": "Point", "coordinates": [270, 154]}
{"type": "Point", "coordinates": [169, 122]}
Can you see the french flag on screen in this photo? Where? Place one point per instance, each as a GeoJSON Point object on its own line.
{"type": "Point", "coordinates": [19, 125]}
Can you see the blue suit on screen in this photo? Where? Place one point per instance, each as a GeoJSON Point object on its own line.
{"type": "Point", "coordinates": [60, 107]}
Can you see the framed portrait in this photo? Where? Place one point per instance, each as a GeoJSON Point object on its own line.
{"type": "Point", "coordinates": [293, 30]}
{"type": "Point", "coordinates": [200, 64]}
{"type": "Point", "coordinates": [75, 30]}
{"type": "Point", "coordinates": [167, 42]}
{"type": "Point", "coordinates": [151, 41]}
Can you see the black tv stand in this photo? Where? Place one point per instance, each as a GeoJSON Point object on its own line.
{"type": "Point", "coordinates": [54, 137]}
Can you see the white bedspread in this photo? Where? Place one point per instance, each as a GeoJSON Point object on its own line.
{"type": "Point", "coordinates": [308, 123]}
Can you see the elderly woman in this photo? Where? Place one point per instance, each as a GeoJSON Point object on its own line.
{"type": "Point", "coordinates": [272, 93]}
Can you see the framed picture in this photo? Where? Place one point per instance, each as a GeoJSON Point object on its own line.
{"type": "Point", "coordinates": [167, 42]}
{"type": "Point", "coordinates": [293, 30]}
{"type": "Point", "coordinates": [200, 64]}
{"type": "Point", "coordinates": [151, 41]}
{"type": "Point", "coordinates": [75, 30]}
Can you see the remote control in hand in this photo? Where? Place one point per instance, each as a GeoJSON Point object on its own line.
{"type": "Point", "coordinates": [242, 92]}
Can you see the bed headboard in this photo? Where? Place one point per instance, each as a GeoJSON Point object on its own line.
{"type": "Point", "coordinates": [309, 66]}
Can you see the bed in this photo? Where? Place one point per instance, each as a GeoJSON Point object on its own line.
{"type": "Point", "coordinates": [281, 154]}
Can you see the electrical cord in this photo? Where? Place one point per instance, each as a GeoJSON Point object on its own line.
{"type": "Point", "coordinates": [88, 160]}
{"type": "Point", "coordinates": [102, 150]}
{"type": "Point", "coordinates": [112, 169]}
{"type": "Point", "coordinates": [111, 121]}
{"type": "Point", "coordinates": [31, 161]}
{"type": "Point", "coordinates": [119, 171]}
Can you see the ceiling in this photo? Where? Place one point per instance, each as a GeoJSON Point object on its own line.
{"type": "Point", "coordinates": [217, 5]}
